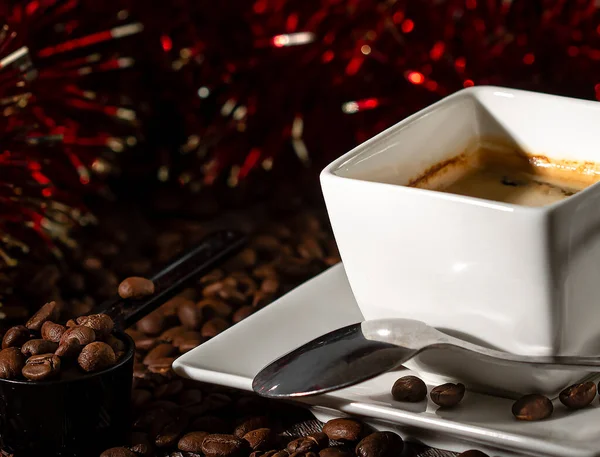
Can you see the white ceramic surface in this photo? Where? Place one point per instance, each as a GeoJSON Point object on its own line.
{"type": "Point", "coordinates": [521, 279]}
{"type": "Point", "coordinates": [325, 303]}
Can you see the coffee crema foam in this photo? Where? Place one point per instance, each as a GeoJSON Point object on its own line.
{"type": "Point", "coordinates": [509, 175]}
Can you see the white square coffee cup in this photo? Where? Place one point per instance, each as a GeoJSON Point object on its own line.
{"type": "Point", "coordinates": [522, 279]}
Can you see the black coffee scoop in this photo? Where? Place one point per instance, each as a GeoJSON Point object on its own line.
{"type": "Point", "coordinates": [78, 417]}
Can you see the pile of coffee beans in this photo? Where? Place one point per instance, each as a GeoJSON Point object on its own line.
{"type": "Point", "coordinates": [413, 389]}
{"type": "Point", "coordinates": [43, 349]}
{"type": "Point", "coordinates": [258, 436]}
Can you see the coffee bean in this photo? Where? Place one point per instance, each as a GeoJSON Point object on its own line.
{"type": "Point", "coordinates": [192, 442]}
{"type": "Point", "coordinates": [214, 308]}
{"type": "Point", "coordinates": [141, 444]}
{"type": "Point", "coordinates": [309, 443]}
{"type": "Point", "coordinates": [159, 352]}
{"type": "Point", "coordinates": [170, 434]}
{"type": "Point", "coordinates": [473, 453]}
{"type": "Point", "coordinates": [190, 397]}
{"type": "Point", "coordinates": [37, 347]}
{"type": "Point", "coordinates": [11, 363]}
{"type": "Point", "coordinates": [380, 444]}
{"type": "Point", "coordinates": [250, 424]}
{"type": "Point", "coordinates": [210, 424]}
{"type": "Point", "coordinates": [269, 286]}
{"type": "Point", "coordinates": [211, 277]}
{"type": "Point", "coordinates": [169, 389]}
{"type": "Point", "coordinates": [261, 439]}
{"type": "Point", "coordinates": [118, 452]}
{"type": "Point", "coordinates": [52, 332]}
{"type": "Point", "coordinates": [578, 396]}
{"type": "Point", "coordinates": [152, 324]}
{"type": "Point", "coordinates": [41, 367]}
{"type": "Point", "coordinates": [145, 344]}
{"type": "Point", "coordinates": [190, 315]}
{"type": "Point", "coordinates": [188, 340]}
{"type": "Point", "coordinates": [96, 356]}
{"type": "Point", "coordinates": [447, 395]}
{"type": "Point", "coordinates": [242, 313]}
{"type": "Point", "coordinates": [532, 407]}
{"type": "Point", "coordinates": [213, 327]}
{"type": "Point", "coordinates": [74, 339]}
{"type": "Point", "coordinates": [171, 334]}
{"type": "Point", "coordinates": [49, 311]}
{"type": "Point", "coordinates": [409, 388]}
{"type": "Point", "coordinates": [343, 430]}
{"type": "Point", "coordinates": [15, 336]}
{"type": "Point", "coordinates": [224, 446]}
{"type": "Point", "coordinates": [335, 452]}
{"type": "Point", "coordinates": [162, 365]}
{"type": "Point", "coordinates": [115, 343]}
{"type": "Point", "coordinates": [101, 324]}
{"type": "Point", "coordinates": [310, 249]}
{"type": "Point", "coordinates": [265, 271]}
{"type": "Point", "coordinates": [135, 287]}
{"type": "Point", "coordinates": [140, 397]}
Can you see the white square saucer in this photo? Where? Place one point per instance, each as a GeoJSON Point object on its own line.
{"type": "Point", "coordinates": [326, 303]}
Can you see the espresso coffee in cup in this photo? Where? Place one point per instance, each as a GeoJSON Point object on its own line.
{"type": "Point", "coordinates": [504, 174]}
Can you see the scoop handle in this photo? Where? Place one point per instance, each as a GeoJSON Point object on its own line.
{"type": "Point", "coordinates": [169, 281]}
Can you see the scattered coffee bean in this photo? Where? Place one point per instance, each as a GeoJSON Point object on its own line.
{"type": "Point", "coordinates": [192, 442]}
{"type": "Point", "coordinates": [152, 324]}
{"type": "Point", "coordinates": [118, 452]}
{"type": "Point", "coordinates": [447, 395]}
{"type": "Point", "coordinates": [213, 327]}
{"type": "Point", "coordinates": [210, 424]}
{"type": "Point", "coordinates": [224, 446]}
{"type": "Point", "coordinates": [250, 424]}
{"type": "Point", "coordinates": [37, 347]}
{"type": "Point", "coordinates": [242, 313]}
{"type": "Point", "coordinates": [96, 356]}
{"type": "Point", "coordinates": [41, 367]}
{"type": "Point", "coordinates": [15, 336]}
{"type": "Point", "coordinates": [52, 332]}
{"type": "Point", "coordinates": [261, 439]}
{"type": "Point", "coordinates": [170, 433]}
{"type": "Point", "coordinates": [532, 407]}
{"type": "Point", "coordinates": [159, 352]}
{"type": "Point", "coordinates": [12, 362]}
{"type": "Point", "coordinates": [115, 343]}
{"type": "Point", "coordinates": [135, 287]}
{"type": "Point", "coordinates": [335, 452]}
{"type": "Point", "coordinates": [380, 444]}
{"type": "Point", "coordinates": [50, 311]}
{"type": "Point", "coordinates": [578, 396]}
{"type": "Point", "coordinates": [101, 324]}
{"type": "Point", "coordinates": [74, 339]}
{"type": "Point", "coordinates": [190, 315]}
{"type": "Point", "coordinates": [410, 389]}
{"type": "Point", "coordinates": [345, 430]}
{"type": "Point", "coordinates": [473, 453]}
{"type": "Point", "coordinates": [140, 397]}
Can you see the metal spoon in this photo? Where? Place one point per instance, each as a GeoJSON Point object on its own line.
{"type": "Point", "coordinates": [359, 352]}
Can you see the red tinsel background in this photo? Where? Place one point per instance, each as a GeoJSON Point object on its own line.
{"type": "Point", "coordinates": [237, 91]}
{"type": "Point", "coordinates": [261, 82]}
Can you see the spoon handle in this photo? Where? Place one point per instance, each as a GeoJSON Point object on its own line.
{"type": "Point", "coordinates": [169, 281]}
{"type": "Point", "coordinates": [556, 362]}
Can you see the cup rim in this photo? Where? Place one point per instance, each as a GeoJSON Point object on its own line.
{"type": "Point", "coordinates": [87, 376]}
{"type": "Point", "coordinates": [329, 172]}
